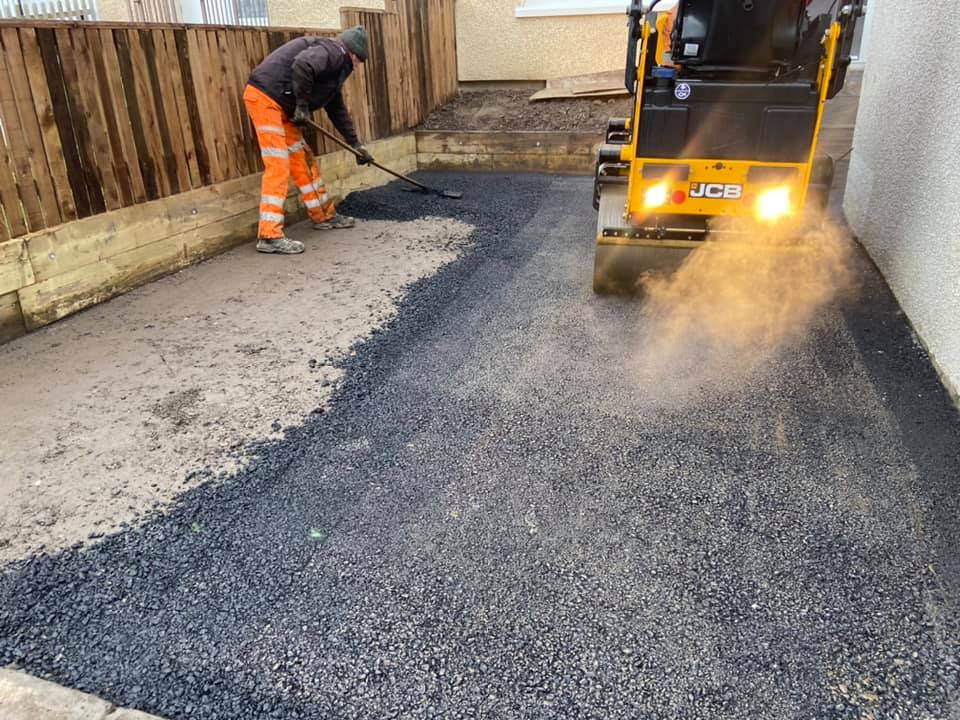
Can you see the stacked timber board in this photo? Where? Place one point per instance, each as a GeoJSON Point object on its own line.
{"type": "Point", "coordinates": [572, 153]}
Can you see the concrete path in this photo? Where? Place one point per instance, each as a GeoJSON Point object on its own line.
{"type": "Point", "coordinates": [23, 697]}
{"type": "Point", "coordinates": [105, 408]}
{"type": "Point", "coordinates": [525, 501]}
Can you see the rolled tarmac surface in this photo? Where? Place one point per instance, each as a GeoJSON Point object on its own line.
{"type": "Point", "coordinates": [500, 517]}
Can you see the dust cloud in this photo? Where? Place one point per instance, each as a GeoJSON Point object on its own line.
{"type": "Point", "coordinates": [741, 300]}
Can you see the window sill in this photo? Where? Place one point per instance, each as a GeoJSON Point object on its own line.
{"type": "Point", "coordinates": [560, 9]}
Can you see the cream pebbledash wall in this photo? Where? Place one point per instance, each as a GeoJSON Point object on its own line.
{"type": "Point", "coordinates": [901, 197]}
{"type": "Point", "coordinates": [113, 10]}
{"type": "Point", "coordinates": [495, 45]}
{"type": "Point", "coordinates": [313, 13]}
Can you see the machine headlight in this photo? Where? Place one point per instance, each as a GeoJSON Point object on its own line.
{"type": "Point", "coordinates": [774, 204]}
{"type": "Point", "coordinates": [656, 195]}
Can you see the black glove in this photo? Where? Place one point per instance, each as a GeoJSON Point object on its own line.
{"type": "Point", "coordinates": [301, 116]}
{"type": "Point", "coordinates": [363, 156]}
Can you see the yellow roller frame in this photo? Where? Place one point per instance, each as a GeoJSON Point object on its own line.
{"type": "Point", "coordinates": [712, 170]}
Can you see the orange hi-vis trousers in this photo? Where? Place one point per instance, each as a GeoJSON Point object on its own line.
{"type": "Point", "coordinates": [282, 148]}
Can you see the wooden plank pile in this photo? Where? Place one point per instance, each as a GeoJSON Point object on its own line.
{"type": "Point", "coordinates": [608, 83]}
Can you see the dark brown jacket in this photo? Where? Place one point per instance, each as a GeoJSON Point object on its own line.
{"type": "Point", "coordinates": [309, 71]}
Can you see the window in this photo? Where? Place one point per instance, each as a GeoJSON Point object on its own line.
{"type": "Point", "coordinates": [543, 8]}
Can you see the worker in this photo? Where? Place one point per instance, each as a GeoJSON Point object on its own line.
{"type": "Point", "coordinates": [295, 80]}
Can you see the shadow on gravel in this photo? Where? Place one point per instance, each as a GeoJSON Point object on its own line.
{"type": "Point", "coordinates": [492, 521]}
{"type": "Point", "coordinates": [927, 418]}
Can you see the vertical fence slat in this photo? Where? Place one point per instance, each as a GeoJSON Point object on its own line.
{"type": "Point", "coordinates": [148, 171]}
{"type": "Point", "coordinates": [253, 58]}
{"type": "Point", "coordinates": [406, 87]}
{"type": "Point", "coordinates": [217, 101]}
{"type": "Point", "coordinates": [192, 105]}
{"type": "Point", "coordinates": [232, 41]}
{"type": "Point", "coordinates": [230, 100]}
{"type": "Point", "coordinates": [15, 222]}
{"type": "Point", "coordinates": [50, 56]}
{"type": "Point", "coordinates": [30, 125]}
{"type": "Point", "coordinates": [120, 101]}
{"type": "Point", "coordinates": [43, 106]}
{"type": "Point", "coordinates": [128, 158]}
{"type": "Point", "coordinates": [108, 106]}
{"type": "Point", "coordinates": [197, 44]}
{"type": "Point", "coordinates": [172, 109]}
{"type": "Point", "coordinates": [101, 152]}
{"type": "Point", "coordinates": [75, 102]}
{"type": "Point", "coordinates": [358, 89]}
{"type": "Point", "coordinates": [148, 111]}
{"type": "Point", "coordinates": [19, 149]}
{"type": "Point", "coordinates": [170, 148]}
{"type": "Point", "coordinates": [181, 125]}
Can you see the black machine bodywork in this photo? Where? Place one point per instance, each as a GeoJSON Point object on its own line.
{"type": "Point", "coordinates": [752, 68]}
{"type": "Point", "coordinates": [741, 84]}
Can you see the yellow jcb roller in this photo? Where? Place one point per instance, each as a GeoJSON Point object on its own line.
{"type": "Point", "coordinates": [728, 102]}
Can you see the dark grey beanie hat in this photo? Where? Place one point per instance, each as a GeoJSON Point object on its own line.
{"type": "Point", "coordinates": [356, 41]}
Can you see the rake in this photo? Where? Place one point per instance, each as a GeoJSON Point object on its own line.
{"type": "Point", "coordinates": [452, 194]}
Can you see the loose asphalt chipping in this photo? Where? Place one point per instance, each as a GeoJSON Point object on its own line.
{"type": "Point", "coordinates": [500, 516]}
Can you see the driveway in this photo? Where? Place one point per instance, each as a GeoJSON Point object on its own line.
{"type": "Point", "coordinates": [525, 501]}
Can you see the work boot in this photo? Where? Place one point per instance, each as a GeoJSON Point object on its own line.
{"type": "Point", "coordinates": [281, 245]}
{"type": "Point", "coordinates": [337, 222]}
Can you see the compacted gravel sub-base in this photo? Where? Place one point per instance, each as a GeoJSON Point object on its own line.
{"type": "Point", "coordinates": [497, 518]}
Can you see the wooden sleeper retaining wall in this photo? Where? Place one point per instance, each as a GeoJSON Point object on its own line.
{"type": "Point", "coordinates": [569, 153]}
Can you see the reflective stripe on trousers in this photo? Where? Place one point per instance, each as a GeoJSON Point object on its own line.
{"type": "Point", "coordinates": [274, 200]}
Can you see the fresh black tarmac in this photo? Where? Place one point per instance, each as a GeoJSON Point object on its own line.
{"type": "Point", "coordinates": [495, 520]}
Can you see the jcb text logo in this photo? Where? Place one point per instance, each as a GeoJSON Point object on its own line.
{"type": "Point", "coordinates": [716, 191]}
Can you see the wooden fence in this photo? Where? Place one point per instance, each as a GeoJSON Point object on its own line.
{"type": "Point", "coordinates": [100, 116]}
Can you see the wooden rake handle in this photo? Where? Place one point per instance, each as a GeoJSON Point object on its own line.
{"type": "Point", "coordinates": [358, 154]}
